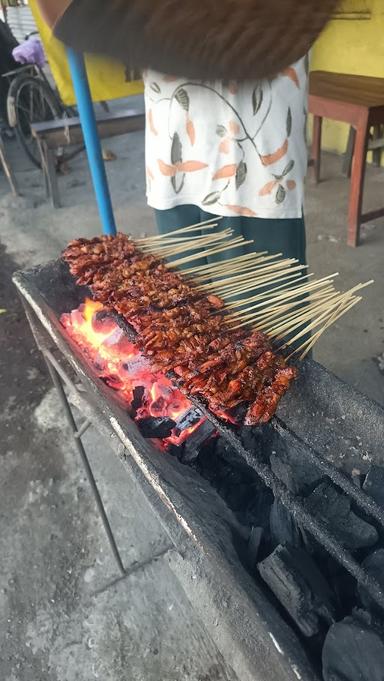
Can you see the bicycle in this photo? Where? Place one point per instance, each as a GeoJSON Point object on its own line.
{"type": "Point", "coordinates": [31, 99]}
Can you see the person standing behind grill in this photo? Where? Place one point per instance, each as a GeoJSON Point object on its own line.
{"type": "Point", "coordinates": [234, 150]}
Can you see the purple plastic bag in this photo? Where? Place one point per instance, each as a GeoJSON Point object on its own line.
{"type": "Point", "coordinates": [30, 52]}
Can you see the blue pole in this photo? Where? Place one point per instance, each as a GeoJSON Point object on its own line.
{"type": "Point", "coordinates": [91, 139]}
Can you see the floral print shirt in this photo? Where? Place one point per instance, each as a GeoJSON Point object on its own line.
{"type": "Point", "coordinates": [229, 148]}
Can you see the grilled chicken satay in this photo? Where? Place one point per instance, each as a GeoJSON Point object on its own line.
{"type": "Point", "coordinates": [176, 328]}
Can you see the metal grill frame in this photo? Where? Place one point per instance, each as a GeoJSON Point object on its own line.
{"type": "Point", "coordinates": [190, 544]}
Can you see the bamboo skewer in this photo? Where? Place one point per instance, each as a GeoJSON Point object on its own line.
{"type": "Point", "coordinates": [270, 331]}
{"type": "Point", "coordinates": [165, 251]}
{"type": "Point", "coordinates": [166, 243]}
{"type": "Point", "coordinates": [227, 264]}
{"type": "Point", "coordinates": [295, 317]}
{"type": "Point", "coordinates": [258, 270]}
{"type": "Point", "coordinates": [226, 272]}
{"type": "Point", "coordinates": [206, 224]}
{"type": "Point", "coordinates": [295, 298]}
{"type": "Point", "coordinates": [291, 304]}
{"type": "Point", "coordinates": [333, 317]}
{"type": "Point", "coordinates": [343, 298]}
{"type": "Point", "coordinates": [234, 243]}
{"type": "Point", "coordinates": [296, 320]}
{"type": "Point", "coordinates": [293, 292]}
{"type": "Point", "coordinates": [323, 319]}
{"type": "Point", "coordinates": [197, 242]}
{"type": "Point", "coordinates": [271, 313]}
{"type": "Point", "coordinates": [258, 296]}
{"type": "Point", "coordinates": [168, 239]}
{"type": "Point", "coordinates": [262, 282]}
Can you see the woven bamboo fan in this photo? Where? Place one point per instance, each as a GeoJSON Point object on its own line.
{"type": "Point", "coordinates": [210, 39]}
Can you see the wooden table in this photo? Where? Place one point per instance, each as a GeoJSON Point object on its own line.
{"type": "Point", "coordinates": [67, 132]}
{"type": "Point", "coordinates": [6, 165]}
{"type": "Point", "coordinates": [358, 101]}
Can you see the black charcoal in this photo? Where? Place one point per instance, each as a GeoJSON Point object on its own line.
{"type": "Point", "coordinates": [174, 450]}
{"type": "Point", "coordinates": [283, 527]}
{"type": "Point", "coordinates": [137, 398]}
{"type": "Point", "coordinates": [254, 546]}
{"type": "Point", "coordinates": [293, 469]}
{"type": "Point", "coordinates": [374, 565]}
{"type": "Point", "coordinates": [207, 461]}
{"type": "Point", "coordinates": [195, 440]}
{"type": "Point", "coordinates": [236, 494]}
{"type": "Point", "coordinates": [156, 427]}
{"type": "Point", "coordinates": [374, 484]}
{"type": "Point", "coordinates": [102, 316]}
{"type": "Point", "coordinates": [293, 577]}
{"type": "Point", "coordinates": [259, 440]}
{"type": "Point", "coordinates": [258, 509]}
{"type": "Point", "coordinates": [354, 650]}
{"type": "Point", "coordinates": [188, 419]}
{"type": "Point", "coordinates": [333, 508]}
{"type": "Point", "coordinates": [343, 585]}
{"type": "Point", "coordinates": [228, 454]}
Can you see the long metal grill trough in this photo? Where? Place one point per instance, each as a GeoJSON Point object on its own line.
{"type": "Point", "coordinates": [326, 422]}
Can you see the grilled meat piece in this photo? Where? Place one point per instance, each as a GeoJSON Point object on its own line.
{"type": "Point", "coordinates": [265, 405]}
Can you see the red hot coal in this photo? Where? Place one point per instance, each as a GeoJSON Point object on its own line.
{"type": "Point", "coordinates": [160, 410]}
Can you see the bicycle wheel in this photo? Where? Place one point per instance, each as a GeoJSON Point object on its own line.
{"type": "Point", "coordinates": [30, 100]}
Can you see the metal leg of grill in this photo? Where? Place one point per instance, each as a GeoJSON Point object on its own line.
{"type": "Point", "coordinates": [79, 445]}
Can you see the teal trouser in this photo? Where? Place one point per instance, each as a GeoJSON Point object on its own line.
{"type": "Point", "coordinates": [285, 236]}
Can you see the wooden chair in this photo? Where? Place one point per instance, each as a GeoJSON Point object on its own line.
{"type": "Point", "coordinates": [375, 144]}
{"type": "Point", "coordinates": [358, 101]}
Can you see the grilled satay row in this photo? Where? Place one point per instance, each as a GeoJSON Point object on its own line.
{"type": "Point", "coordinates": [182, 329]}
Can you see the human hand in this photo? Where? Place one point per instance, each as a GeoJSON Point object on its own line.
{"type": "Point", "coordinates": [52, 10]}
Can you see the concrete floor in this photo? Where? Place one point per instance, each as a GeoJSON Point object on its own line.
{"type": "Point", "coordinates": [62, 616]}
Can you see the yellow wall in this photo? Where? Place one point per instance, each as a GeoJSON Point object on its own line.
{"type": "Point", "coordinates": [108, 79]}
{"type": "Point", "coordinates": [350, 46]}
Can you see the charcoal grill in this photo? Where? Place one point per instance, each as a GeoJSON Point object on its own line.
{"type": "Point", "coordinates": [327, 422]}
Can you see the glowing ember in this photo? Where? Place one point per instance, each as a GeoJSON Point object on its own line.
{"type": "Point", "coordinates": [124, 368]}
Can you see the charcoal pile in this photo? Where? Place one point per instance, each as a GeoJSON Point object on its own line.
{"type": "Point", "coordinates": [340, 623]}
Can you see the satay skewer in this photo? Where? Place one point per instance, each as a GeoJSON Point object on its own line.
{"type": "Point", "coordinates": [213, 277]}
{"type": "Point", "coordinates": [267, 279]}
{"type": "Point", "coordinates": [206, 224]}
{"type": "Point", "coordinates": [238, 242]}
{"type": "Point", "coordinates": [257, 270]}
{"type": "Point", "coordinates": [197, 242]}
{"type": "Point", "coordinates": [228, 264]}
